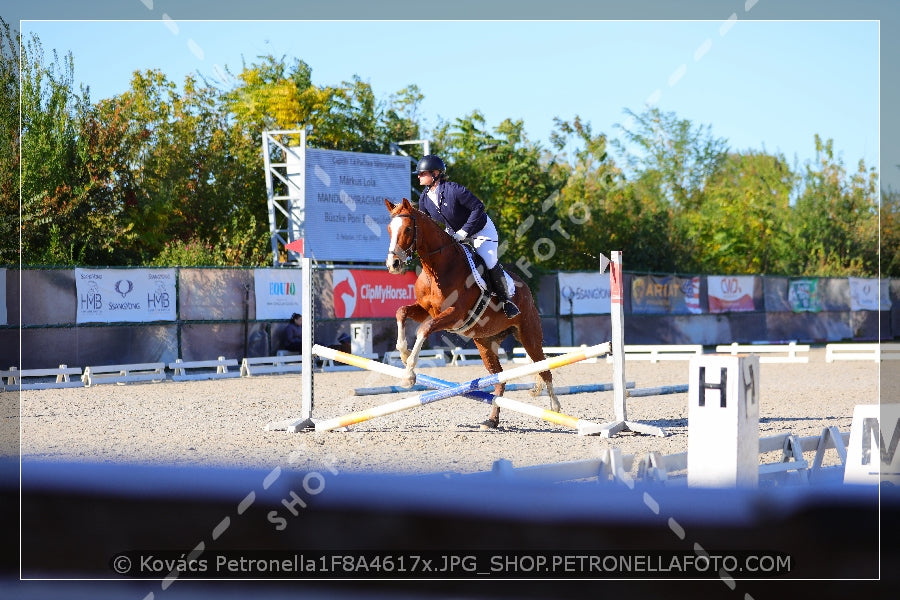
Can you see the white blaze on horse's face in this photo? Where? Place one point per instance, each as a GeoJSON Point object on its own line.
{"type": "Point", "coordinates": [395, 255]}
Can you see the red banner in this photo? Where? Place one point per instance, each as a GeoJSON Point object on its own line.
{"type": "Point", "coordinates": [730, 294]}
{"type": "Point", "coordinates": [361, 294]}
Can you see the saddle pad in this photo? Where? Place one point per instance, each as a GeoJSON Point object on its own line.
{"type": "Point", "coordinates": [510, 284]}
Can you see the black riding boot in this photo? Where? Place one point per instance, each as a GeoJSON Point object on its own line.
{"type": "Point", "coordinates": [498, 280]}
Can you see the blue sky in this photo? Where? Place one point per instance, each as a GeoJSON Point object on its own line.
{"type": "Point", "coordinates": [766, 85]}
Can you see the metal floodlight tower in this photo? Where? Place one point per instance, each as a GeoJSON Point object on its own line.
{"type": "Point", "coordinates": [285, 165]}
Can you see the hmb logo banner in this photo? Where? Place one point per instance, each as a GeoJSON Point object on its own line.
{"type": "Point", "coordinates": [125, 295]}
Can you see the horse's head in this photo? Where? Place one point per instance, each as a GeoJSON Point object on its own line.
{"type": "Point", "coordinates": [402, 232]}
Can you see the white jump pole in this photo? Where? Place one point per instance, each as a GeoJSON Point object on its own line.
{"type": "Point", "coordinates": [463, 388]}
{"type": "Point", "coordinates": [617, 316]}
{"type": "Point", "coordinates": [433, 382]}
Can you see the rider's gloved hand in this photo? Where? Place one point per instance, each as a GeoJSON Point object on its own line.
{"type": "Point", "coordinates": [459, 235]}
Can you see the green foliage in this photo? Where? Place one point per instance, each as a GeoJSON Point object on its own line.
{"type": "Point", "coordinates": [9, 138]}
{"type": "Point", "coordinates": [741, 221]}
{"type": "Point", "coordinates": [173, 175]}
{"type": "Point", "coordinates": [889, 221]}
{"type": "Point", "coordinates": [516, 182]}
{"type": "Point", "coordinates": [835, 224]}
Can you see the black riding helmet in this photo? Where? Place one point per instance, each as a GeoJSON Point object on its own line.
{"type": "Point", "coordinates": [430, 162]}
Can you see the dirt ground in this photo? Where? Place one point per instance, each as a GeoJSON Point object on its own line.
{"type": "Point", "coordinates": [222, 422]}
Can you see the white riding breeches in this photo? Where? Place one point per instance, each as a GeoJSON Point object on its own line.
{"type": "Point", "coordinates": [486, 243]}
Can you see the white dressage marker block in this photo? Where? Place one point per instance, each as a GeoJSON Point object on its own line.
{"type": "Point", "coordinates": [15, 378]}
{"type": "Point", "coordinates": [723, 421]}
{"type": "Point", "coordinates": [201, 369]}
{"type": "Point", "coordinates": [122, 374]}
{"type": "Point", "coordinates": [874, 435]}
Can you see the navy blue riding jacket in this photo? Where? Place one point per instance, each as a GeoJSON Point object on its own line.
{"type": "Point", "coordinates": [460, 208]}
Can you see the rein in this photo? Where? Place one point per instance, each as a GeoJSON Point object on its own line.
{"type": "Point", "coordinates": [413, 248]}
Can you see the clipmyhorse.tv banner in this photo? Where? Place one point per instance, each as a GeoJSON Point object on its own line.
{"type": "Point", "coordinates": [359, 293]}
{"type": "Point", "coordinates": [125, 295]}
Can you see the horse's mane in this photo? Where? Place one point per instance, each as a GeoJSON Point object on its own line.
{"type": "Point", "coordinates": [424, 217]}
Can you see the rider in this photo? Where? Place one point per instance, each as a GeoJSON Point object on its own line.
{"type": "Point", "coordinates": [464, 216]}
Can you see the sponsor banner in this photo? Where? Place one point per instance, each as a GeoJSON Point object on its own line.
{"type": "Point", "coordinates": [360, 293]}
{"type": "Point", "coordinates": [343, 212]}
{"type": "Point", "coordinates": [691, 289]}
{"type": "Point", "coordinates": [4, 317]}
{"type": "Point", "coordinates": [803, 295]}
{"type": "Point", "coordinates": [868, 294]}
{"type": "Point", "coordinates": [669, 295]}
{"type": "Point", "coordinates": [730, 293]}
{"type": "Point", "coordinates": [588, 293]}
{"type": "Point", "coordinates": [278, 293]}
{"type": "Point", "coordinates": [125, 295]}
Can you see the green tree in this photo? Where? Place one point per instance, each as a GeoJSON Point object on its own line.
{"type": "Point", "coordinates": [670, 154]}
{"type": "Point", "coordinates": [742, 222]}
{"type": "Point", "coordinates": [515, 180]}
{"type": "Point", "coordinates": [9, 138]}
{"type": "Point", "coordinates": [272, 94]}
{"type": "Point", "coordinates": [889, 222]}
{"type": "Point", "coordinates": [835, 219]}
{"type": "Point", "coordinates": [668, 162]}
{"type": "Point", "coordinates": [198, 174]}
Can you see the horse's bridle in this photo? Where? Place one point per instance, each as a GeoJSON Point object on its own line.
{"type": "Point", "coordinates": [407, 254]}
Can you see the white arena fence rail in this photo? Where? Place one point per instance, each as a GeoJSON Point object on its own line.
{"type": "Point", "coordinates": [460, 357]}
{"type": "Point", "coordinates": [427, 358]}
{"type": "Point", "coordinates": [519, 356]}
{"type": "Point", "coordinates": [660, 352]}
{"type": "Point", "coordinates": [873, 352]}
{"type": "Point", "coordinates": [769, 353]}
{"type": "Point", "coordinates": [657, 469]}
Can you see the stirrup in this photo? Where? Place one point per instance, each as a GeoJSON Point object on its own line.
{"type": "Point", "coordinates": [510, 309]}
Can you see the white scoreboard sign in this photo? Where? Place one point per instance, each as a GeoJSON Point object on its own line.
{"type": "Point", "coordinates": [342, 204]}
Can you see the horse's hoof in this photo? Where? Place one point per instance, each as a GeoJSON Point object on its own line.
{"type": "Point", "coordinates": [555, 407]}
{"type": "Point", "coordinates": [489, 424]}
{"type": "Point", "coordinates": [409, 381]}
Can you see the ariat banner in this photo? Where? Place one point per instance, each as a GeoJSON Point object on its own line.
{"type": "Point", "coordinates": [669, 295]}
{"type": "Point", "coordinates": [732, 293]}
{"type": "Point", "coordinates": [125, 295]}
{"type": "Point", "coordinates": [360, 293]}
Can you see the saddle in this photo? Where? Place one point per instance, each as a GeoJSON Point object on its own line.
{"type": "Point", "coordinates": [477, 277]}
{"type": "Point", "coordinates": [479, 273]}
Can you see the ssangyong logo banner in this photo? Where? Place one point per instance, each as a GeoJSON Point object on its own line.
{"type": "Point", "coordinates": [278, 293]}
{"type": "Point", "coordinates": [361, 294]}
{"type": "Point", "coordinates": [125, 295]}
{"type": "Point", "coordinates": [584, 293]}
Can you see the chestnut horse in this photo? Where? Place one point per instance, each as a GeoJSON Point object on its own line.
{"type": "Point", "coordinates": [447, 297]}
